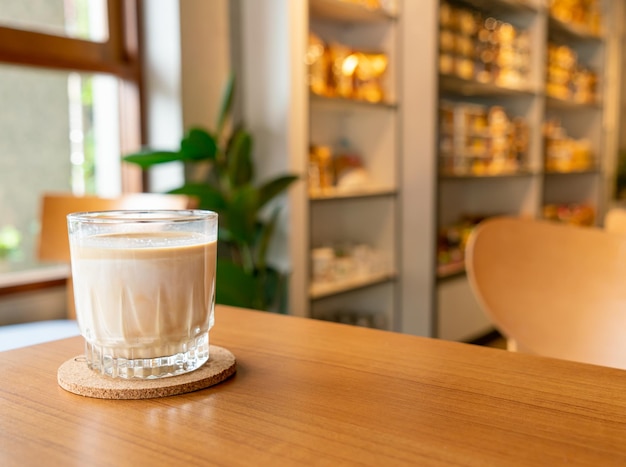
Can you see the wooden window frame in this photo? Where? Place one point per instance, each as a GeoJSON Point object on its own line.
{"type": "Point", "coordinates": [119, 55]}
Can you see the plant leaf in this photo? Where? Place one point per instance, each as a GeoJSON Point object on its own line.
{"type": "Point", "coordinates": [227, 102]}
{"type": "Point", "coordinates": [235, 287]}
{"type": "Point", "coordinates": [224, 234]}
{"type": "Point", "coordinates": [274, 291]}
{"type": "Point", "coordinates": [147, 157]}
{"type": "Point", "coordinates": [241, 214]}
{"type": "Point", "coordinates": [208, 196]}
{"type": "Point", "coordinates": [274, 187]}
{"type": "Point", "coordinates": [198, 144]}
{"type": "Point", "coordinates": [267, 231]}
{"type": "Point", "coordinates": [239, 153]}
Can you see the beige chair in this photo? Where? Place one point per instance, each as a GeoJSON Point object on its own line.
{"type": "Point", "coordinates": [53, 239]}
{"type": "Point", "coordinates": [555, 290]}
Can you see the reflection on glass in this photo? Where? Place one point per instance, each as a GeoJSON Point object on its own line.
{"type": "Point", "coordinates": [59, 132]}
{"type": "Point", "coordinates": [79, 19]}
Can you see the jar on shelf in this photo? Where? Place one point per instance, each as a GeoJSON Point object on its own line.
{"type": "Point", "coordinates": [322, 264]}
{"type": "Point", "coordinates": [585, 14]}
{"type": "Point", "coordinates": [368, 75]}
{"type": "Point", "coordinates": [320, 173]}
{"type": "Point", "coordinates": [476, 139]}
{"type": "Point", "coordinates": [343, 64]}
{"type": "Point", "coordinates": [318, 63]}
{"type": "Point", "coordinates": [565, 154]}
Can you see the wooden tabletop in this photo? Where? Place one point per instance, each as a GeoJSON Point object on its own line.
{"type": "Point", "coordinates": [314, 393]}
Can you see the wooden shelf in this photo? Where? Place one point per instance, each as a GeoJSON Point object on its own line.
{"type": "Point", "coordinates": [365, 192]}
{"type": "Point", "coordinates": [571, 32]}
{"type": "Point", "coordinates": [569, 104]}
{"type": "Point", "coordinates": [371, 131]}
{"type": "Point", "coordinates": [556, 173]}
{"type": "Point", "coordinates": [453, 85]}
{"type": "Point", "coordinates": [518, 174]}
{"type": "Point", "coordinates": [343, 104]}
{"type": "Point", "coordinates": [319, 290]}
{"type": "Point", "coordinates": [347, 12]}
{"type": "Point", "coordinates": [449, 271]}
{"type": "Point", "coordinates": [500, 6]}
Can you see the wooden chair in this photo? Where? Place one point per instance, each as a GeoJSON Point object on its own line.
{"type": "Point", "coordinates": [53, 242]}
{"type": "Point", "coordinates": [615, 220]}
{"type": "Point", "coordinates": [555, 290]}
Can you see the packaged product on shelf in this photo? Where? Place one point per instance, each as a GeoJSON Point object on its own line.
{"type": "Point", "coordinates": [487, 48]}
{"type": "Point", "coordinates": [501, 145]}
{"type": "Point", "coordinates": [446, 63]}
{"type": "Point", "coordinates": [570, 213]}
{"type": "Point", "coordinates": [322, 264]}
{"type": "Point", "coordinates": [336, 70]}
{"type": "Point", "coordinates": [480, 140]}
{"type": "Point", "coordinates": [565, 154]}
{"type": "Point", "coordinates": [446, 130]}
{"type": "Point", "coordinates": [468, 22]}
{"type": "Point", "coordinates": [451, 243]}
{"type": "Point", "coordinates": [343, 64]}
{"type": "Point", "coordinates": [513, 56]}
{"type": "Point", "coordinates": [317, 60]}
{"type": "Point", "coordinates": [585, 14]}
{"type": "Point", "coordinates": [520, 141]}
{"type": "Point", "coordinates": [364, 260]}
{"type": "Point", "coordinates": [446, 117]}
{"type": "Point", "coordinates": [584, 82]}
{"type": "Point", "coordinates": [344, 261]}
{"type": "Point", "coordinates": [320, 173]}
{"type": "Point", "coordinates": [465, 44]}
{"type": "Point", "coordinates": [486, 67]}
{"type": "Point", "coordinates": [446, 39]}
{"type": "Point", "coordinates": [447, 16]}
{"type": "Point", "coordinates": [561, 65]}
{"type": "Point", "coordinates": [487, 51]}
{"type": "Point", "coordinates": [341, 170]}
{"type": "Point", "coordinates": [567, 79]}
{"type": "Point", "coordinates": [350, 173]}
{"type": "Point", "coordinates": [368, 75]}
{"type": "Point", "coordinates": [344, 266]}
{"type": "Point", "coordinates": [464, 67]}
{"type": "Point", "coordinates": [447, 42]}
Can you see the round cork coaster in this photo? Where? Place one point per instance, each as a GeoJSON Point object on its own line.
{"type": "Point", "coordinates": [75, 376]}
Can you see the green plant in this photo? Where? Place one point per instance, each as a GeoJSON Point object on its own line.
{"type": "Point", "coordinates": [219, 172]}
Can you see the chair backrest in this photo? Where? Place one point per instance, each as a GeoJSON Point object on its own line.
{"type": "Point", "coordinates": [557, 290]}
{"type": "Point", "coordinates": [53, 239]}
{"type": "Point", "coordinates": [615, 220]}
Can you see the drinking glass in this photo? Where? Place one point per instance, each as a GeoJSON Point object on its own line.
{"type": "Point", "coordinates": [144, 289]}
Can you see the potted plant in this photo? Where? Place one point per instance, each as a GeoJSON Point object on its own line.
{"type": "Point", "coordinates": [220, 174]}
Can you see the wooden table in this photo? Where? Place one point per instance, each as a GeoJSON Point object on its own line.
{"type": "Point", "coordinates": [309, 392]}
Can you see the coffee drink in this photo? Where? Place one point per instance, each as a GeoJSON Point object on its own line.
{"type": "Point", "coordinates": [144, 289]}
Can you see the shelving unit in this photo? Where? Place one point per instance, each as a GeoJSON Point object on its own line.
{"type": "Point", "coordinates": [365, 215]}
{"type": "Point", "coordinates": [409, 199]}
{"type": "Point", "coordinates": [537, 183]}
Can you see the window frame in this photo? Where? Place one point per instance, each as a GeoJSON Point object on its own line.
{"type": "Point", "coordinates": [119, 55]}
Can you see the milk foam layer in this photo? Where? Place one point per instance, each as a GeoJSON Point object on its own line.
{"type": "Point", "coordinates": [144, 295]}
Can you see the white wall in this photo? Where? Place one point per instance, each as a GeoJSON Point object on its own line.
{"type": "Point", "coordinates": [274, 95]}
{"type": "Point", "coordinates": [186, 66]}
{"type": "Point", "coordinates": [205, 59]}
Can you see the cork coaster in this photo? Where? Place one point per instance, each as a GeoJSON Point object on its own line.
{"type": "Point", "coordinates": [75, 376]}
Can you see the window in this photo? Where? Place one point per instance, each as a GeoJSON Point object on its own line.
{"type": "Point", "coordinates": [69, 106]}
